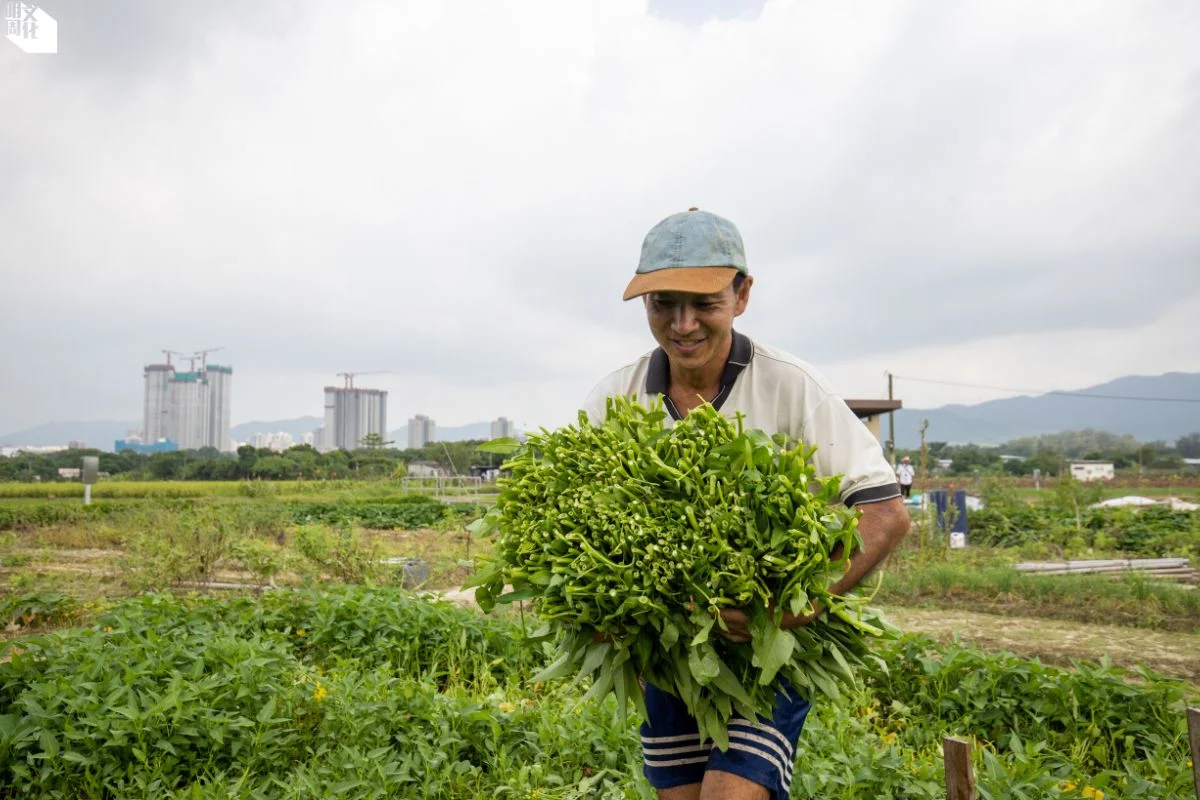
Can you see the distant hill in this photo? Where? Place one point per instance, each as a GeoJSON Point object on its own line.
{"type": "Point", "coordinates": [461, 433]}
{"type": "Point", "coordinates": [296, 427]}
{"type": "Point", "coordinates": [998, 421]}
{"type": "Point", "coordinates": [101, 435]}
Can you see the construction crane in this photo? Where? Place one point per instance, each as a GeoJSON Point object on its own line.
{"type": "Point", "coordinates": [169, 353]}
{"type": "Point", "coordinates": [203, 356]}
{"type": "Point", "coordinates": [349, 376]}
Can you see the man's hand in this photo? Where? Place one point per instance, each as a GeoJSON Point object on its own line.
{"type": "Point", "coordinates": [738, 625]}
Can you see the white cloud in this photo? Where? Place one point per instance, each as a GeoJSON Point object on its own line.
{"type": "Point", "coordinates": [458, 191]}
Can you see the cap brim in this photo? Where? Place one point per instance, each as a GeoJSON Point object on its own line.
{"type": "Point", "coordinates": [697, 280]}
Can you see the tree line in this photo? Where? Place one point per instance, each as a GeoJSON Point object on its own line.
{"type": "Point", "coordinates": [1052, 453]}
{"type": "Point", "coordinates": [208, 464]}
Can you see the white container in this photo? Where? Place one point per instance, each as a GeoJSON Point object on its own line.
{"type": "Point", "coordinates": [958, 540]}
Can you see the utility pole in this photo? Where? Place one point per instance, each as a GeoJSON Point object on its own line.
{"type": "Point", "coordinates": [924, 427]}
{"type": "Point", "coordinates": [891, 424]}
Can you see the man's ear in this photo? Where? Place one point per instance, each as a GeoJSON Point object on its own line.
{"type": "Point", "coordinates": [743, 296]}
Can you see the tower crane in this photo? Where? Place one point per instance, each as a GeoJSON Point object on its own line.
{"type": "Point", "coordinates": [203, 356]}
{"type": "Point", "coordinates": [349, 376]}
{"type": "Point", "coordinates": [169, 353]}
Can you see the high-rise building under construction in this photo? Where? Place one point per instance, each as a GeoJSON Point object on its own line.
{"type": "Point", "coordinates": [351, 415]}
{"type": "Point", "coordinates": [190, 409]}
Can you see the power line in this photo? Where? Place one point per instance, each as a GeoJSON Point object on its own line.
{"type": "Point", "coordinates": [1051, 391]}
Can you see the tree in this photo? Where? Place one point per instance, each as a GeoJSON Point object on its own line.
{"type": "Point", "coordinates": [374, 441]}
{"type": "Point", "coordinates": [1188, 446]}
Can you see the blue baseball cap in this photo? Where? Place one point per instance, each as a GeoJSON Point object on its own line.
{"type": "Point", "coordinates": [692, 251]}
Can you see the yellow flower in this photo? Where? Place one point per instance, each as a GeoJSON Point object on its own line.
{"type": "Point", "coordinates": [300, 632]}
{"type": "Point", "coordinates": [1067, 786]}
{"type": "Point", "coordinates": [1092, 792]}
{"type": "Point", "coordinates": [108, 628]}
{"type": "Point", "coordinates": [889, 737]}
{"type": "Point", "coordinates": [507, 708]}
{"type": "Point", "coordinates": [319, 693]}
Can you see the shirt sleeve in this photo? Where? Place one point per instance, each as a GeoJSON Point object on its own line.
{"type": "Point", "coordinates": [845, 447]}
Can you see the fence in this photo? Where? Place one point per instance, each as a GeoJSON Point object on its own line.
{"type": "Point", "coordinates": [960, 780]}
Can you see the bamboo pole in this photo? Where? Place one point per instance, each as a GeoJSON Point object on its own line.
{"type": "Point", "coordinates": [1193, 717]}
{"type": "Point", "coordinates": [960, 783]}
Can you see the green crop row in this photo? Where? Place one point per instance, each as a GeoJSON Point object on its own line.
{"type": "Point", "coordinates": [405, 512]}
{"type": "Point", "coordinates": [370, 692]}
{"type": "Point", "coordinates": [1151, 532]}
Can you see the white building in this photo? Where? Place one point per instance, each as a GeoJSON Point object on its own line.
{"type": "Point", "coordinates": [421, 431]}
{"type": "Point", "coordinates": [277, 442]}
{"type": "Point", "coordinates": [351, 415]}
{"type": "Point", "coordinates": [503, 428]}
{"type": "Point", "coordinates": [192, 409]}
{"type": "Point", "coordinates": [1092, 470]}
{"type": "Point", "coordinates": [188, 416]}
{"type": "Point", "coordinates": [220, 405]}
{"type": "Point", "coordinates": [156, 403]}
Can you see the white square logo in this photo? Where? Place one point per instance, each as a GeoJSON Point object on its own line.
{"type": "Point", "coordinates": [30, 28]}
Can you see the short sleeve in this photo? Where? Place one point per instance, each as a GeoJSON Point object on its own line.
{"type": "Point", "coordinates": [845, 447]}
{"type": "Point", "coordinates": [596, 404]}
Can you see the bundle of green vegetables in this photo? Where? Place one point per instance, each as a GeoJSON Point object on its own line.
{"type": "Point", "coordinates": [631, 536]}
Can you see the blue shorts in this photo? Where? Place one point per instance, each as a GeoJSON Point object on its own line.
{"type": "Point", "coordinates": [762, 751]}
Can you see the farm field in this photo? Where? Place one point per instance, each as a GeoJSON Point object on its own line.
{"type": "Point", "coordinates": [310, 689]}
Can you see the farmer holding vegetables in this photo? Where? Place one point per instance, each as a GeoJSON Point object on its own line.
{"type": "Point", "coordinates": [693, 279]}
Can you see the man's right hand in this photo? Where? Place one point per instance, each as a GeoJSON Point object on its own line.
{"type": "Point", "coordinates": [737, 623]}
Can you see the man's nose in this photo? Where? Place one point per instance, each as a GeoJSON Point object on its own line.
{"type": "Point", "coordinates": [685, 318]}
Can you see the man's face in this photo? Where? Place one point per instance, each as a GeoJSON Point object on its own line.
{"type": "Point", "coordinates": [695, 329]}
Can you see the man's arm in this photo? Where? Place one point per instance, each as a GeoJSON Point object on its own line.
{"type": "Point", "coordinates": [883, 526]}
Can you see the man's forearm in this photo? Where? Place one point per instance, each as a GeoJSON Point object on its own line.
{"type": "Point", "coordinates": [882, 526]}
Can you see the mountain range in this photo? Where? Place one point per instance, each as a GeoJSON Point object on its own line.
{"type": "Point", "coordinates": [1123, 406]}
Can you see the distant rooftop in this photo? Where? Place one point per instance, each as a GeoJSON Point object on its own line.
{"type": "Point", "coordinates": [219, 368]}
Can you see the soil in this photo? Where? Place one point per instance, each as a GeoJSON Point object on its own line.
{"type": "Point", "coordinates": [1059, 641]}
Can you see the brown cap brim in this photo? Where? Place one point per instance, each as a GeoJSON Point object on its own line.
{"type": "Point", "coordinates": [697, 280]}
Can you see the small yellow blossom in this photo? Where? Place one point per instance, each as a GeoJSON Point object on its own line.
{"type": "Point", "coordinates": [889, 737]}
{"type": "Point", "coordinates": [108, 628]}
{"type": "Point", "coordinates": [1092, 792]}
{"type": "Point", "coordinates": [1067, 786]}
{"type": "Point", "coordinates": [507, 708]}
{"type": "Point", "coordinates": [320, 692]}
{"type": "Point", "coordinates": [300, 632]}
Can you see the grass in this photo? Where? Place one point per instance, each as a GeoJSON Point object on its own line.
{"type": "Point", "coordinates": [1127, 600]}
{"type": "Point", "coordinates": [313, 491]}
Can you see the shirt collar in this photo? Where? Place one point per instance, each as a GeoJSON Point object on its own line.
{"type": "Point", "coordinates": [741, 353]}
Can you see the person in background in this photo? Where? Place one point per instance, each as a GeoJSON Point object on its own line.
{"type": "Point", "coordinates": [904, 475]}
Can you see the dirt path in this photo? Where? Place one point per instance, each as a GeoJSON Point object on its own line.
{"type": "Point", "coordinates": [1059, 641]}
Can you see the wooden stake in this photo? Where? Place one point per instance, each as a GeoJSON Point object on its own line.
{"type": "Point", "coordinates": [1193, 717]}
{"type": "Point", "coordinates": [960, 783]}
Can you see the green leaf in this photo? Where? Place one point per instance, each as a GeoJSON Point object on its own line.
{"type": "Point", "coordinates": [267, 711]}
{"type": "Point", "coordinates": [503, 446]}
{"type": "Point", "coordinates": [704, 663]}
{"type": "Point", "coordinates": [772, 649]}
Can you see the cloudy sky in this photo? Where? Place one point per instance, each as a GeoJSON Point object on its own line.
{"type": "Point", "coordinates": [1005, 193]}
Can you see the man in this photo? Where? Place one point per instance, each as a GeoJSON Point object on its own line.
{"type": "Point", "coordinates": [904, 473]}
{"type": "Point", "coordinates": [694, 282]}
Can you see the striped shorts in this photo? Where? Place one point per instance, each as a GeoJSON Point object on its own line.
{"type": "Point", "coordinates": [762, 751]}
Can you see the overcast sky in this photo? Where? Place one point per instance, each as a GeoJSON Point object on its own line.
{"type": "Point", "coordinates": [1005, 193]}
